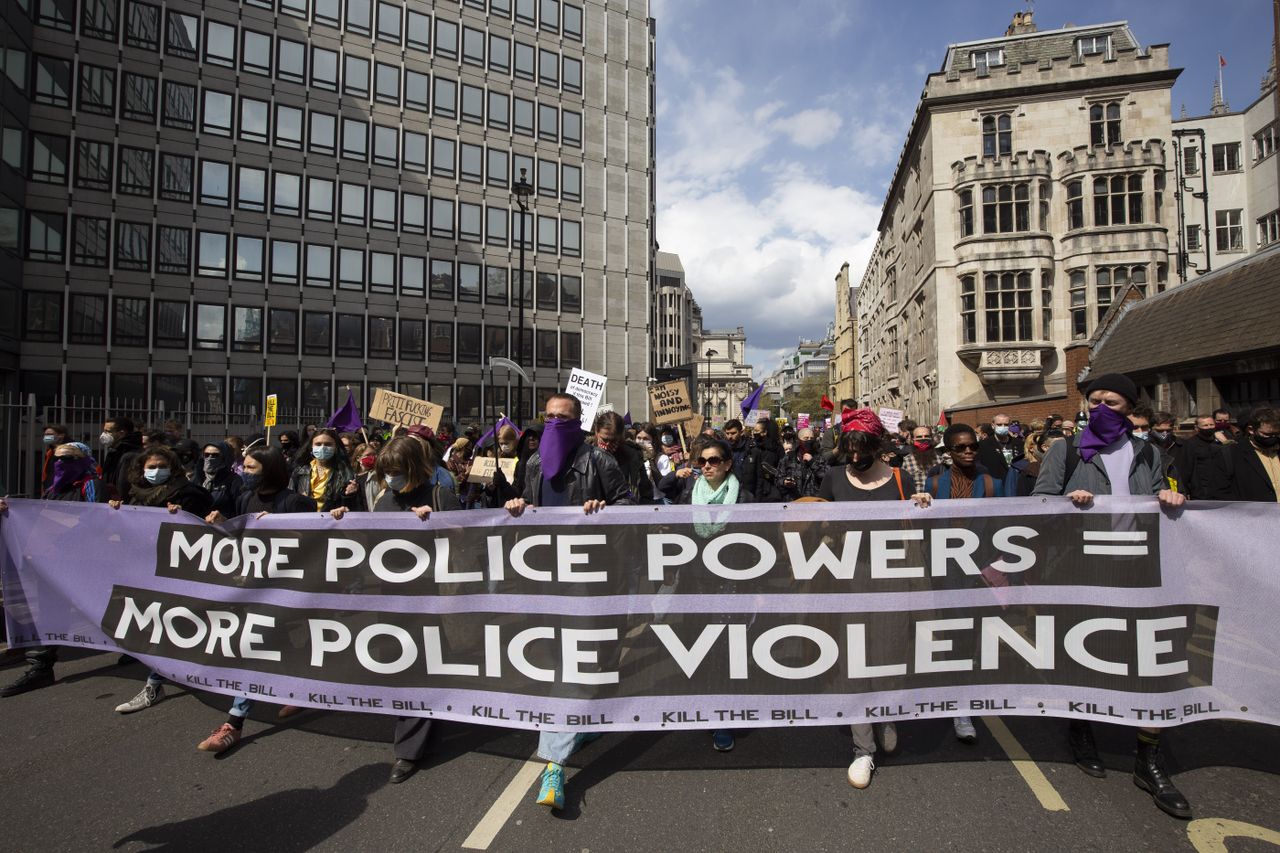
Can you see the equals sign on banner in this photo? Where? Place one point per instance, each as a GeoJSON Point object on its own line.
{"type": "Point", "coordinates": [1112, 543]}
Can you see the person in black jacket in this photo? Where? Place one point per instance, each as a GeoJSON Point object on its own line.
{"type": "Point", "coordinates": [217, 478]}
{"type": "Point", "coordinates": [122, 442]}
{"type": "Point", "coordinates": [323, 471]}
{"type": "Point", "coordinates": [73, 476]}
{"type": "Point", "coordinates": [1000, 449]}
{"type": "Point", "coordinates": [764, 437]}
{"type": "Point", "coordinates": [1255, 458]}
{"type": "Point", "coordinates": [608, 434]}
{"type": "Point", "coordinates": [1207, 474]}
{"type": "Point", "coordinates": [1172, 448]}
{"type": "Point", "coordinates": [157, 479]}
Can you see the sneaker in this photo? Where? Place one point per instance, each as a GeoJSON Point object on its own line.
{"type": "Point", "coordinates": [220, 739]}
{"type": "Point", "coordinates": [722, 740]}
{"type": "Point", "coordinates": [149, 695]}
{"type": "Point", "coordinates": [965, 732]}
{"type": "Point", "coordinates": [552, 791]}
{"type": "Point", "coordinates": [888, 738]}
{"type": "Point", "coordinates": [33, 679]}
{"type": "Point", "coordinates": [860, 771]}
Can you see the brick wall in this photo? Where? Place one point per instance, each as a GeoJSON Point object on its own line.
{"type": "Point", "coordinates": [1019, 411]}
{"type": "Point", "coordinates": [1077, 357]}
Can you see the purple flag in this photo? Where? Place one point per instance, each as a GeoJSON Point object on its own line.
{"type": "Point", "coordinates": [493, 431]}
{"type": "Point", "coordinates": [346, 419]}
{"type": "Point", "coordinates": [753, 401]}
{"type": "Point", "coordinates": [626, 419]}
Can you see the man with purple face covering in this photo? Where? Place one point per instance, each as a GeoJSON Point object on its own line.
{"type": "Point", "coordinates": [566, 471]}
{"type": "Point", "coordinates": [1104, 459]}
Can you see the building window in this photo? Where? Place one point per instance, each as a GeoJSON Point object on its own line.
{"type": "Point", "coordinates": [1104, 123]}
{"type": "Point", "coordinates": [445, 95]}
{"type": "Point", "coordinates": [1229, 231]}
{"type": "Point", "coordinates": [254, 120]}
{"type": "Point", "coordinates": [53, 82]}
{"type": "Point", "coordinates": [548, 68]}
{"type": "Point", "coordinates": [291, 60]}
{"type": "Point", "coordinates": [1193, 238]}
{"type": "Point", "coordinates": [351, 269]}
{"type": "Point", "coordinates": [573, 21]}
{"type": "Point", "coordinates": [1191, 160]}
{"type": "Point", "coordinates": [1006, 208]}
{"type": "Point", "coordinates": [249, 258]}
{"type": "Point", "coordinates": [282, 330]}
{"type": "Point", "coordinates": [547, 346]}
{"type": "Point", "coordinates": [173, 250]}
{"type": "Point", "coordinates": [997, 135]}
{"type": "Point", "coordinates": [319, 265]}
{"type": "Point", "coordinates": [1226, 157]}
{"type": "Point", "coordinates": [179, 108]}
{"type": "Point", "coordinates": [129, 321]}
{"type": "Point", "coordinates": [1079, 298]}
{"type": "Point", "coordinates": [1117, 200]}
{"type": "Point", "coordinates": [284, 262]}
{"type": "Point", "coordinates": [389, 15]}
{"type": "Point", "coordinates": [571, 238]}
{"type": "Point", "coordinates": [571, 128]}
{"type": "Point", "coordinates": [495, 287]}
{"type": "Point", "coordinates": [350, 340]}
{"type": "Point", "coordinates": [55, 14]}
{"type": "Point", "coordinates": [324, 133]}
{"type": "Point", "coordinates": [251, 188]}
{"type": "Point", "coordinates": [383, 208]}
{"type": "Point", "coordinates": [547, 291]}
{"type": "Point", "coordinates": [217, 113]}
{"type": "Point", "coordinates": [968, 309]}
{"type": "Point", "coordinates": [1094, 46]}
{"type": "Point", "coordinates": [246, 329]}
{"type": "Point", "coordinates": [170, 326]}
{"type": "Point", "coordinates": [355, 75]}
{"type": "Point", "coordinates": [42, 319]}
{"type": "Point", "coordinates": [93, 165]}
{"type": "Point", "coordinates": [324, 68]}
{"type": "Point", "coordinates": [965, 201]}
{"type": "Point", "coordinates": [138, 96]}
{"type": "Point", "coordinates": [97, 92]}
{"type": "Point", "coordinates": [255, 53]}
{"type": "Point", "coordinates": [441, 217]}
{"type": "Point", "coordinates": [133, 246]}
{"type": "Point", "coordinates": [220, 44]}
{"type": "Point", "coordinates": [499, 53]}
{"type": "Point", "coordinates": [286, 197]}
{"type": "Point", "coordinates": [1264, 142]}
{"type": "Point", "coordinates": [571, 294]}
{"type": "Point", "coordinates": [211, 327]}
{"type": "Point", "coordinates": [984, 60]}
{"type": "Point", "coordinates": [570, 350]}
{"type": "Point", "coordinates": [441, 341]}
{"type": "Point", "coordinates": [547, 236]}
{"type": "Point", "coordinates": [212, 257]}
{"type": "Point", "coordinates": [48, 158]}
{"type": "Point", "coordinates": [87, 319]}
{"type": "Point", "coordinates": [441, 279]}
{"type": "Point", "coordinates": [317, 332]}
{"type": "Point", "coordinates": [288, 127]}
{"type": "Point", "coordinates": [143, 28]}
{"type": "Point", "coordinates": [1007, 306]}
{"type": "Point", "coordinates": [1269, 229]}
{"type": "Point", "coordinates": [468, 345]}
{"type": "Point", "coordinates": [413, 340]}
{"type": "Point", "coordinates": [215, 183]}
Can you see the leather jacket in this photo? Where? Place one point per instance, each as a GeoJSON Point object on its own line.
{"type": "Point", "coordinates": [592, 475]}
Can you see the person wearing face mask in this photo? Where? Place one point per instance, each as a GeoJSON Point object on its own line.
{"type": "Point", "coordinates": [121, 442]}
{"type": "Point", "coordinates": [1024, 473]}
{"type": "Point", "coordinates": [656, 463]}
{"type": "Point", "coordinates": [1107, 460]}
{"type": "Point", "coordinates": [923, 455]}
{"type": "Point", "coordinates": [1255, 458]}
{"type": "Point", "coordinates": [1225, 431]}
{"type": "Point", "coordinates": [324, 474]}
{"type": "Point", "coordinates": [1207, 474]}
{"type": "Point", "coordinates": [216, 477]}
{"type": "Point", "coordinates": [55, 435]}
{"type": "Point", "coordinates": [801, 468]}
{"type": "Point", "coordinates": [526, 446]}
{"type": "Point", "coordinates": [73, 476]}
{"type": "Point", "coordinates": [236, 443]}
{"type": "Point", "coordinates": [764, 438]}
{"type": "Point", "coordinates": [414, 482]}
{"type": "Point", "coordinates": [607, 434]}
{"type": "Point", "coordinates": [1001, 450]}
{"type": "Point", "coordinates": [1165, 439]}
{"type": "Point", "coordinates": [290, 447]}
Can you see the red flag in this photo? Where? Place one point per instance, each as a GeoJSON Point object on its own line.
{"type": "Point", "coordinates": [942, 418]}
{"type": "Point", "coordinates": [827, 404]}
{"type": "Point", "coordinates": [1222, 62]}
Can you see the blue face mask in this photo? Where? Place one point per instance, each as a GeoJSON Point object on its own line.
{"type": "Point", "coordinates": [50, 439]}
{"type": "Point", "coordinates": [1002, 430]}
{"type": "Point", "coordinates": [323, 452]}
{"type": "Point", "coordinates": [396, 483]}
{"type": "Point", "coordinates": [1143, 434]}
{"type": "Point", "coordinates": [156, 476]}
{"type": "Point", "coordinates": [251, 481]}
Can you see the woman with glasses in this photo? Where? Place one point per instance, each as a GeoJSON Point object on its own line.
{"type": "Point", "coordinates": [865, 476]}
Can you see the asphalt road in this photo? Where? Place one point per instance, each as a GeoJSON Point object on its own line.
{"type": "Point", "coordinates": [79, 777]}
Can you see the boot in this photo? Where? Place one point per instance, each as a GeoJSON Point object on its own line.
{"type": "Point", "coordinates": [33, 679]}
{"type": "Point", "coordinates": [1150, 776]}
{"type": "Point", "coordinates": [1084, 750]}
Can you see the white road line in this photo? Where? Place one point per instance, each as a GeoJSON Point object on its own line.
{"type": "Point", "coordinates": [496, 818]}
{"type": "Point", "coordinates": [1031, 774]}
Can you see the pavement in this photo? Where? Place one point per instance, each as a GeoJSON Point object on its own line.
{"type": "Point", "coordinates": [78, 777]}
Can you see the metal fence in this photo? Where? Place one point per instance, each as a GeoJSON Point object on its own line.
{"type": "Point", "coordinates": [24, 417]}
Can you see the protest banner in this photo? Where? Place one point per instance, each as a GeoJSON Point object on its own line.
{"type": "Point", "coordinates": [670, 403]}
{"type": "Point", "coordinates": [405, 411]}
{"type": "Point", "coordinates": [890, 418]}
{"type": "Point", "coordinates": [686, 617]}
{"type": "Point", "coordinates": [484, 467]}
{"type": "Point", "coordinates": [802, 420]}
{"type": "Point", "coordinates": [589, 389]}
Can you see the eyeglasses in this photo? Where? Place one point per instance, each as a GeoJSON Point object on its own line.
{"type": "Point", "coordinates": [710, 460]}
{"type": "Point", "coordinates": [963, 448]}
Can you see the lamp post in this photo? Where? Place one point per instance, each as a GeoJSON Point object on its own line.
{"type": "Point", "coordinates": [706, 394]}
{"type": "Point", "coordinates": [523, 191]}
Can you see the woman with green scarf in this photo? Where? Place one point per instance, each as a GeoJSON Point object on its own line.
{"type": "Point", "coordinates": [715, 485]}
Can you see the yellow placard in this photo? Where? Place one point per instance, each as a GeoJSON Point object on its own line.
{"type": "Point", "coordinates": [269, 419]}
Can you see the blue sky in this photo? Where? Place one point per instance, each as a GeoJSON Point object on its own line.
{"type": "Point", "coordinates": [779, 125]}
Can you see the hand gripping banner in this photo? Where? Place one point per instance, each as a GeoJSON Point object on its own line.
{"type": "Point", "coordinates": [679, 617]}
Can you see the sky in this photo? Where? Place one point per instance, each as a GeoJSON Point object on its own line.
{"type": "Point", "coordinates": [778, 133]}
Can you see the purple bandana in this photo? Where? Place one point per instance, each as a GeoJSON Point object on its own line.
{"type": "Point", "coordinates": [66, 471]}
{"type": "Point", "coordinates": [560, 440]}
{"type": "Point", "coordinates": [1105, 426]}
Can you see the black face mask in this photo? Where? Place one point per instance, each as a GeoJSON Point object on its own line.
{"type": "Point", "coordinates": [862, 463]}
{"type": "Point", "coordinates": [1206, 434]}
{"type": "Point", "coordinates": [1266, 442]}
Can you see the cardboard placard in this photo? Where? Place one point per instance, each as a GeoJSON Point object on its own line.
{"type": "Point", "coordinates": [890, 418]}
{"type": "Point", "coordinates": [483, 468]}
{"type": "Point", "coordinates": [405, 411]}
{"type": "Point", "coordinates": [670, 403]}
{"type": "Point", "coordinates": [269, 414]}
{"type": "Point", "coordinates": [693, 426]}
{"type": "Point", "coordinates": [589, 389]}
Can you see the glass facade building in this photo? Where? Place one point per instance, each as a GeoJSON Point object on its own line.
{"type": "Point", "coordinates": [214, 201]}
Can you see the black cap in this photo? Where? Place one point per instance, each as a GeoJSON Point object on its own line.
{"type": "Point", "coordinates": [1117, 382]}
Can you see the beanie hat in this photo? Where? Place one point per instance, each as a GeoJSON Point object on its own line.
{"type": "Point", "coordinates": [1116, 382]}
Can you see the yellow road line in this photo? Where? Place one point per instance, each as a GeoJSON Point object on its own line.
{"type": "Point", "coordinates": [496, 818]}
{"type": "Point", "coordinates": [1031, 773]}
{"type": "Point", "coordinates": [1209, 835]}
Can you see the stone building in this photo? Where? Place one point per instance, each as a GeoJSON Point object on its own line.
{"type": "Point", "coordinates": [677, 320]}
{"type": "Point", "coordinates": [1030, 191]}
{"type": "Point", "coordinates": [842, 366]}
{"type": "Point", "coordinates": [724, 377]}
{"type": "Point", "coordinates": [213, 200]}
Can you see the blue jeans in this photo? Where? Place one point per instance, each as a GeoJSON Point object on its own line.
{"type": "Point", "coordinates": [241, 706]}
{"type": "Point", "coordinates": [556, 747]}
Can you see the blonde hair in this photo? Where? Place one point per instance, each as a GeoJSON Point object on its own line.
{"type": "Point", "coordinates": [76, 452]}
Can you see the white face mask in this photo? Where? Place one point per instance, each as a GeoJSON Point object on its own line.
{"type": "Point", "coordinates": [156, 476]}
{"type": "Point", "coordinates": [50, 439]}
{"type": "Point", "coordinates": [397, 482]}
{"type": "Point", "coordinates": [106, 438]}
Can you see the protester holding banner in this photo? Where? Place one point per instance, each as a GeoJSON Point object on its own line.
{"type": "Point", "coordinates": [607, 433]}
{"type": "Point", "coordinates": [656, 463]}
{"type": "Point", "coordinates": [1107, 460]}
{"type": "Point", "coordinates": [1255, 458]}
{"type": "Point", "coordinates": [866, 477]}
{"type": "Point", "coordinates": [73, 476]}
{"type": "Point", "coordinates": [525, 448]}
{"type": "Point", "coordinates": [566, 471]}
{"type": "Point", "coordinates": [921, 456]}
{"type": "Point", "coordinates": [323, 472]}
{"type": "Point", "coordinates": [217, 478]}
{"type": "Point", "coordinates": [1023, 474]}
{"type": "Point", "coordinates": [55, 436]}
{"type": "Point", "coordinates": [801, 468]}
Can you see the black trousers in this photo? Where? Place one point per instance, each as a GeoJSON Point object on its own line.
{"type": "Point", "coordinates": [411, 737]}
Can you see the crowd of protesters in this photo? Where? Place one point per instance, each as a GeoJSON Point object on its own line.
{"type": "Point", "coordinates": [1116, 447]}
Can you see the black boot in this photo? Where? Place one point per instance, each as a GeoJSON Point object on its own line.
{"type": "Point", "coordinates": [1150, 776]}
{"type": "Point", "coordinates": [1084, 750]}
{"type": "Point", "coordinates": [33, 679]}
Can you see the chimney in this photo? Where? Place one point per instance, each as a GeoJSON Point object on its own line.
{"type": "Point", "coordinates": [1022, 24]}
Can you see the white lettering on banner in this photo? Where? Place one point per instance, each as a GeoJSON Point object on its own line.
{"type": "Point", "coordinates": [162, 626]}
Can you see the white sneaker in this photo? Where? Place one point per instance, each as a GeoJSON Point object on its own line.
{"type": "Point", "coordinates": [888, 738]}
{"type": "Point", "coordinates": [149, 695]}
{"type": "Point", "coordinates": [965, 731]}
{"type": "Point", "coordinates": [860, 771]}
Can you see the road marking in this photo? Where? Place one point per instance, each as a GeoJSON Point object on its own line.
{"type": "Point", "coordinates": [1031, 774]}
{"type": "Point", "coordinates": [496, 818]}
{"type": "Point", "coordinates": [1209, 835]}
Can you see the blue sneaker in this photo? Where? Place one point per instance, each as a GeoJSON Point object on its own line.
{"type": "Point", "coordinates": [722, 740]}
{"type": "Point", "coordinates": [552, 791]}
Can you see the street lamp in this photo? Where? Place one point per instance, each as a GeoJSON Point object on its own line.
{"type": "Point", "coordinates": [523, 191]}
{"type": "Point", "coordinates": [706, 394]}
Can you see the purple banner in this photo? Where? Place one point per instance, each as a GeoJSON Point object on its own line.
{"type": "Point", "coordinates": [677, 617]}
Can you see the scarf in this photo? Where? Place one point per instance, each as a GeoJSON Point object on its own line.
{"type": "Point", "coordinates": [560, 440]}
{"type": "Point", "coordinates": [705, 524]}
{"type": "Point", "coordinates": [149, 495]}
{"type": "Point", "coordinates": [67, 472]}
{"type": "Point", "coordinates": [1106, 425]}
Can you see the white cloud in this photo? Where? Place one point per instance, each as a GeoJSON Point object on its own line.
{"type": "Point", "coordinates": [811, 128]}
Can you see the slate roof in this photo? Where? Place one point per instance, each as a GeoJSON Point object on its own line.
{"type": "Point", "coordinates": [1031, 48]}
{"type": "Point", "coordinates": [1231, 311]}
